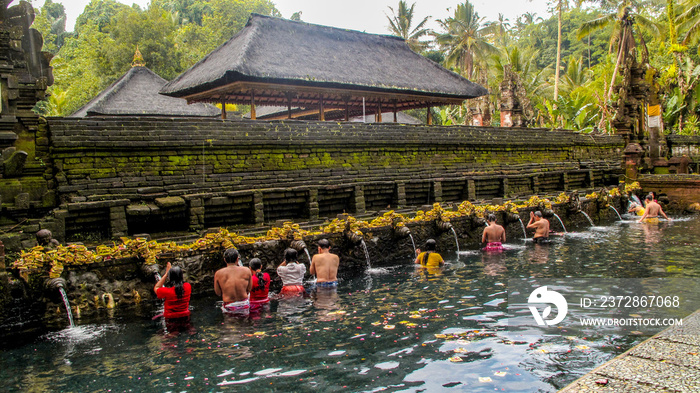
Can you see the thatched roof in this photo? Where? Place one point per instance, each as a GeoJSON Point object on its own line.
{"type": "Point", "coordinates": [136, 93]}
{"type": "Point", "coordinates": [278, 62]}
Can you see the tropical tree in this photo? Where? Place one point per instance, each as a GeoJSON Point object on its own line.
{"type": "Point", "coordinates": [690, 20]}
{"type": "Point", "coordinates": [464, 39]}
{"type": "Point", "coordinates": [401, 25]}
{"type": "Point", "coordinates": [51, 22]}
{"type": "Point", "coordinates": [626, 18]}
{"type": "Point", "coordinates": [499, 29]}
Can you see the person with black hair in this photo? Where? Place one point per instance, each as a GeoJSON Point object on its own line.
{"type": "Point", "coordinates": [429, 258]}
{"type": "Point", "coordinates": [233, 283]}
{"type": "Point", "coordinates": [324, 266]}
{"type": "Point", "coordinates": [494, 235]}
{"type": "Point", "coordinates": [292, 274]}
{"type": "Point", "coordinates": [260, 285]}
{"type": "Point", "coordinates": [176, 295]}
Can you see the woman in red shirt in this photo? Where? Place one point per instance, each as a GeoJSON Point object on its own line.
{"type": "Point", "coordinates": [177, 297]}
{"type": "Point", "coordinates": [261, 286]}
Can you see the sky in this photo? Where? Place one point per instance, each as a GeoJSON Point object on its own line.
{"type": "Point", "coordinates": [362, 15]}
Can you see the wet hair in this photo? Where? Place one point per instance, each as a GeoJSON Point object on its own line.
{"type": "Point", "coordinates": [649, 197]}
{"type": "Point", "coordinates": [538, 214]}
{"type": "Point", "coordinates": [291, 255]}
{"type": "Point", "coordinates": [231, 255]}
{"type": "Point", "coordinates": [430, 246]}
{"type": "Point", "coordinates": [256, 264]}
{"type": "Point", "coordinates": [176, 281]}
{"type": "Point", "coordinates": [491, 218]}
{"type": "Point", "coordinates": [324, 244]}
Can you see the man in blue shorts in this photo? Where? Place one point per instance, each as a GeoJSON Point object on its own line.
{"type": "Point", "coordinates": [325, 266]}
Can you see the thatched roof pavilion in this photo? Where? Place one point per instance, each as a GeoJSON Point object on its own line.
{"type": "Point", "coordinates": [278, 62]}
{"type": "Point", "coordinates": [136, 94]}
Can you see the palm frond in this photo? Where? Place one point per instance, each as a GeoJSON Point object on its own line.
{"type": "Point", "coordinates": [587, 28]}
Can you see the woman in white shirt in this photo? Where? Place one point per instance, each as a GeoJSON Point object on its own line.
{"type": "Point", "coordinates": [292, 274]}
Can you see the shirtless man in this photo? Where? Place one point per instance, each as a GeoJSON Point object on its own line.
{"type": "Point", "coordinates": [325, 266]}
{"type": "Point", "coordinates": [233, 283]}
{"type": "Point", "coordinates": [651, 212]}
{"type": "Point", "coordinates": [494, 235]}
{"type": "Point", "coordinates": [541, 227]}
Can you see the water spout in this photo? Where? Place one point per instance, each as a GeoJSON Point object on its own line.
{"type": "Point", "coordinates": [618, 213]}
{"type": "Point", "coordinates": [157, 276]}
{"type": "Point", "coordinates": [59, 284]}
{"type": "Point", "coordinates": [306, 250]}
{"type": "Point", "coordinates": [456, 240]}
{"type": "Point", "coordinates": [413, 243]}
{"type": "Point", "coordinates": [364, 249]}
{"type": "Point", "coordinates": [523, 227]}
{"type": "Point", "coordinates": [589, 219]}
{"type": "Point", "coordinates": [108, 300]}
{"type": "Point", "coordinates": [66, 303]}
{"type": "Point", "coordinates": [560, 221]}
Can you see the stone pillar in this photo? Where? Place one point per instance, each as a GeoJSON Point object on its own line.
{"type": "Point", "coordinates": [196, 213]}
{"type": "Point", "coordinates": [258, 206]}
{"type": "Point", "coordinates": [471, 190]}
{"type": "Point", "coordinates": [313, 204]}
{"type": "Point", "coordinates": [437, 191]}
{"type": "Point", "coordinates": [400, 194]}
{"type": "Point", "coordinates": [2, 256]}
{"type": "Point", "coordinates": [591, 179]}
{"type": "Point", "coordinates": [117, 220]}
{"type": "Point", "coordinates": [504, 187]}
{"type": "Point", "coordinates": [565, 181]}
{"type": "Point", "coordinates": [633, 160]}
{"type": "Point", "coordinates": [535, 184]}
{"type": "Point", "coordinates": [59, 232]}
{"type": "Point", "coordinates": [359, 195]}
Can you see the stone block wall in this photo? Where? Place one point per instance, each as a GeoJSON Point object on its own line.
{"type": "Point", "coordinates": [228, 173]}
{"type": "Point", "coordinates": [681, 145]}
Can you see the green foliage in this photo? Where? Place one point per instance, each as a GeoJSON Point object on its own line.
{"type": "Point", "coordinates": [50, 21]}
{"type": "Point", "coordinates": [401, 25]}
{"type": "Point", "coordinates": [464, 39]}
{"type": "Point", "coordinates": [99, 12]}
{"type": "Point", "coordinates": [172, 35]}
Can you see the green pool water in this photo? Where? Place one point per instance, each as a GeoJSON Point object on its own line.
{"type": "Point", "coordinates": [377, 333]}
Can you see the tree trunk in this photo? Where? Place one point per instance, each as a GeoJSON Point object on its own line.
{"type": "Point", "coordinates": [556, 74]}
{"type": "Point", "coordinates": [620, 54]}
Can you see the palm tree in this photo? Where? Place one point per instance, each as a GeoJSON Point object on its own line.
{"type": "Point", "coordinates": [559, 7]}
{"type": "Point", "coordinates": [464, 38]}
{"type": "Point", "coordinates": [400, 25]}
{"type": "Point", "coordinates": [690, 20]}
{"type": "Point", "coordinates": [499, 29]}
{"type": "Point", "coordinates": [626, 19]}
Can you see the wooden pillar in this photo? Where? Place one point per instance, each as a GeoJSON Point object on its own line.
{"type": "Point", "coordinates": [379, 111]}
{"type": "Point", "coordinates": [223, 110]}
{"type": "Point", "coordinates": [347, 108]}
{"type": "Point", "coordinates": [252, 105]}
{"type": "Point", "coordinates": [396, 119]}
{"type": "Point", "coordinates": [289, 105]}
{"type": "Point", "coordinates": [321, 113]}
{"type": "Point", "coordinates": [428, 117]}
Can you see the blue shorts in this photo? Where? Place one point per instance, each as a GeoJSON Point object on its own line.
{"type": "Point", "coordinates": [327, 284]}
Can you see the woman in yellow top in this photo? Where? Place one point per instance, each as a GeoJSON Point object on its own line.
{"type": "Point", "coordinates": [429, 258]}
